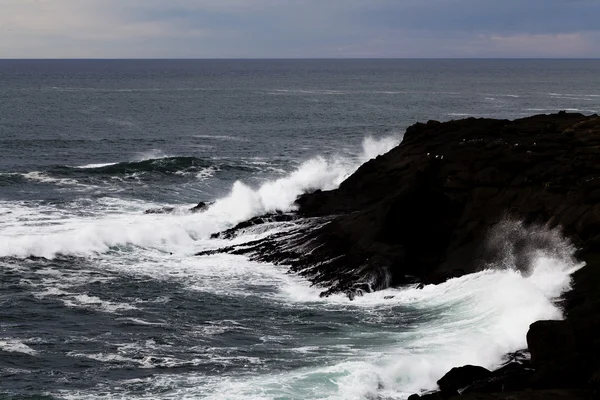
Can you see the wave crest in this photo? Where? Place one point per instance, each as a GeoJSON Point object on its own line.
{"type": "Point", "coordinates": [180, 232]}
{"type": "Point", "coordinates": [166, 165]}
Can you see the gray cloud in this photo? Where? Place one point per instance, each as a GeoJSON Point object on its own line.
{"type": "Point", "coordinates": [299, 28]}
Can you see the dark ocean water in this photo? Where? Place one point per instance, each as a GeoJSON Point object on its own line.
{"type": "Point", "coordinates": [99, 300]}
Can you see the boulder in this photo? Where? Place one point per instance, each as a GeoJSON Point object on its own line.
{"type": "Point", "coordinates": [160, 210]}
{"type": "Point", "coordinates": [202, 206]}
{"type": "Point", "coordinates": [460, 377]}
{"type": "Point", "coordinates": [510, 377]}
{"type": "Point", "coordinates": [564, 353]}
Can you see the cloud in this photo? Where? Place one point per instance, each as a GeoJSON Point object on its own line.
{"type": "Point", "coordinates": [298, 28]}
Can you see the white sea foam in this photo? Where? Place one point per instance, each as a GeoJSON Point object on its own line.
{"type": "Point", "coordinates": [206, 173]}
{"type": "Point", "coordinates": [573, 95]}
{"type": "Point", "coordinates": [15, 346]}
{"type": "Point", "coordinates": [475, 319]}
{"type": "Point", "coordinates": [514, 96]}
{"type": "Point", "coordinates": [461, 115]}
{"type": "Point", "coordinates": [82, 237]}
{"type": "Point", "coordinates": [54, 289]}
{"type": "Point", "coordinates": [307, 91]}
{"type": "Point", "coordinates": [95, 303]}
{"type": "Point", "coordinates": [91, 166]}
{"type": "Point", "coordinates": [561, 109]}
{"type": "Point", "coordinates": [138, 321]}
{"type": "Point", "coordinates": [152, 154]}
{"type": "Point", "coordinates": [479, 318]}
{"type": "Point", "coordinates": [45, 178]}
{"type": "Point", "coordinates": [222, 137]}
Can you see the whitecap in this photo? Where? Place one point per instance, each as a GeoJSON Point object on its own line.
{"type": "Point", "coordinates": [15, 346]}
{"type": "Point", "coordinates": [176, 233]}
{"type": "Point", "coordinates": [92, 166]}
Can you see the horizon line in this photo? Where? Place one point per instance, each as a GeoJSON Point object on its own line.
{"type": "Point", "coordinates": [285, 58]}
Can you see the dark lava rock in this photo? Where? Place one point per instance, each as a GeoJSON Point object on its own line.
{"type": "Point", "coordinates": [423, 210]}
{"type": "Point", "coordinates": [511, 377]}
{"type": "Point", "coordinates": [202, 206]}
{"type": "Point", "coordinates": [427, 396]}
{"type": "Point", "coordinates": [440, 205]}
{"type": "Point", "coordinates": [564, 353]}
{"type": "Point", "coordinates": [562, 394]}
{"type": "Point", "coordinates": [160, 210]}
{"type": "Point", "coordinates": [461, 377]}
{"type": "Point", "coordinates": [263, 219]}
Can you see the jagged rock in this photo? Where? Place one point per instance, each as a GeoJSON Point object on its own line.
{"type": "Point", "coordinates": [160, 210]}
{"type": "Point", "coordinates": [202, 206]}
{"type": "Point", "coordinates": [461, 377]}
{"type": "Point", "coordinates": [568, 394]}
{"type": "Point", "coordinates": [427, 396]}
{"type": "Point", "coordinates": [421, 212]}
{"type": "Point", "coordinates": [594, 385]}
{"type": "Point", "coordinates": [511, 377]}
{"type": "Point", "coordinates": [564, 353]}
{"type": "Point", "coordinates": [274, 217]}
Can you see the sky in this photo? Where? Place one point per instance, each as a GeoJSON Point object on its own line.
{"type": "Point", "coordinates": [299, 28]}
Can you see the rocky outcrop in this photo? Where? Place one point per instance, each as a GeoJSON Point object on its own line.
{"type": "Point", "coordinates": [565, 353]}
{"type": "Point", "coordinates": [263, 219]}
{"type": "Point", "coordinates": [460, 377]}
{"type": "Point", "coordinates": [431, 208]}
{"type": "Point", "coordinates": [160, 210]}
{"type": "Point", "coordinates": [200, 207]}
{"type": "Point", "coordinates": [420, 212]}
{"type": "Point", "coordinates": [565, 364]}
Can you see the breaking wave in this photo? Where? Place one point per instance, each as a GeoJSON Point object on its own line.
{"type": "Point", "coordinates": [82, 237]}
{"type": "Point", "coordinates": [419, 333]}
{"type": "Point", "coordinates": [166, 165]}
{"type": "Point", "coordinates": [401, 340]}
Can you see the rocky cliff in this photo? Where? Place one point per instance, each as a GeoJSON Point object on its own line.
{"type": "Point", "coordinates": [421, 213]}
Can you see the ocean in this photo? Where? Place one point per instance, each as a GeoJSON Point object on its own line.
{"type": "Point", "coordinates": [100, 300]}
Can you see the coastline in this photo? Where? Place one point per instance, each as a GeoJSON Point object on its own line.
{"type": "Point", "coordinates": [424, 213]}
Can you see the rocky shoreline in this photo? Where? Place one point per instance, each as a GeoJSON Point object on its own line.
{"type": "Point", "coordinates": [423, 213]}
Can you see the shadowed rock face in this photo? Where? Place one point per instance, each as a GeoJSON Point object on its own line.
{"type": "Point", "coordinates": [460, 377]}
{"type": "Point", "coordinates": [420, 213]}
{"type": "Point", "coordinates": [437, 206]}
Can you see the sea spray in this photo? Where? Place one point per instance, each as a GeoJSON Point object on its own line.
{"type": "Point", "coordinates": [82, 237]}
{"type": "Point", "coordinates": [513, 244]}
{"type": "Point", "coordinates": [475, 319]}
{"type": "Point", "coordinates": [478, 318]}
{"type": "Point", "coordinates": [402, 340]}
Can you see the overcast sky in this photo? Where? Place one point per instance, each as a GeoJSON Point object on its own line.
{"type": "Point", "coordinates": [298, 28]}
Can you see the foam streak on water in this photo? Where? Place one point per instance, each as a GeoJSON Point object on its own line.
{"type": "Point", "coordinates": [385, 352]}
{"type": "Point", "coordinates": [120, 308]}
{"type": "Point", "coordinates": [248, 330]}
{"type": "Point", "coordinates": [83, 237]}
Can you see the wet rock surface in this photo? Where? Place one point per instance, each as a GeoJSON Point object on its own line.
{"type": "Point", "coordinates": [200, 207]}
{"type": "Point", "coordinates": [421, 212]}
{"type": "Point", "coordinates": [424, 212]}
{"type": "Point", "coordinates": [460, 377]}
